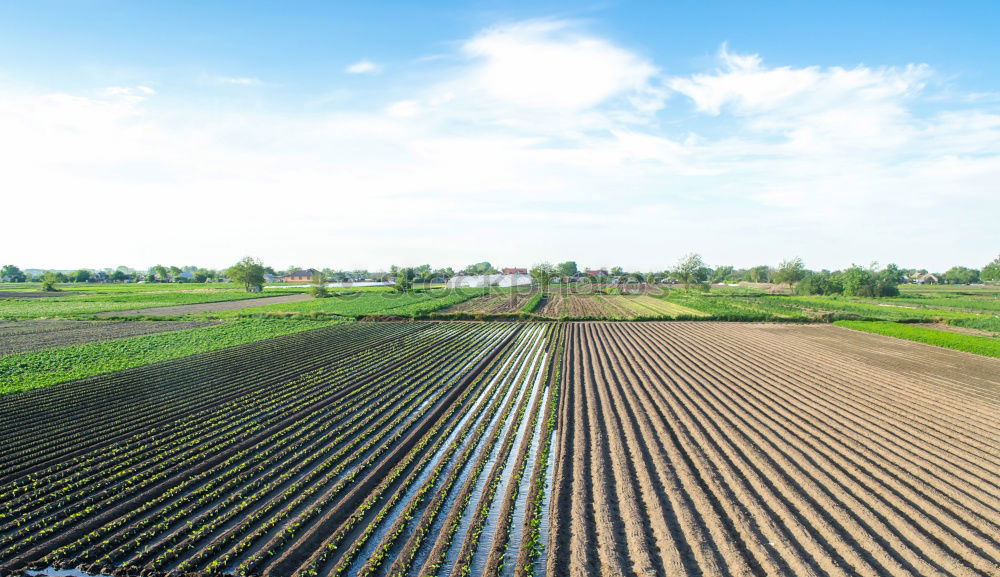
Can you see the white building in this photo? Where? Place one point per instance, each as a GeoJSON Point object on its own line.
{"type": "Point", "coordinates": [511, 280]}
{"type": "Point", "coordinates": [485, 280]}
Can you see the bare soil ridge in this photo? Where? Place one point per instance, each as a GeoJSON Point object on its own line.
{"type": "Point", "coordinates": [733, 449]}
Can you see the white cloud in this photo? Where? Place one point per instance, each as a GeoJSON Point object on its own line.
{"type": "Point", "coordinates": [404, 108]}
{"type": "Point", "coordinates": [238, 80]}
{"type": "Point", "coordinates": [834, 164]}
{"type": "Point", "coordinates": [551, 64]}
{"type": "Point", "coordinates": [364, 66]}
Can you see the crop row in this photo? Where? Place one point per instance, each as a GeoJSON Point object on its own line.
{"type": "Point", "coordinates": [338, 451]}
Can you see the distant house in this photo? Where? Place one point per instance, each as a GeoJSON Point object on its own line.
{"type": "Point", "coordinates": [927, 279]}
{"type": "Point", "coordinates": [300, 275]}
{"type": "Point", "coordinates": [596, 272]}
{"type": "Point", "coordinates": [270, 278]}
{"type": "Point", "coordinates": [515, 271]}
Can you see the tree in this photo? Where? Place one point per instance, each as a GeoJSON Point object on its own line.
{"type": "Point", "coordinates": [82, 275]}
{"type": "Point", "coordinates": [49, 281]}
{"type": "Point", "coordinates": [856, 280]}
{"type": "Point", "coordinates": [617, 271]}
{"type": "Point", "coordinates": [249, 272]}
{"type": "Point", "coordinates": [119, 276]}
{"type": "Point", "coordinates": [567, 268]}
{"type": "Point", "coordinates": [820, 283]}
{"type": "Point", "coordinates": [318, 290]}
{"type": "Point", "coordinates": [892, 273]}
{"type": "Point", "coordinates": [542, 273]}
{"type": "Point", "coordinates": [202, 275]}
{"type": "Point", "coordinates": [961, 275]}
{"type": "Point", "coordinates": [479, 268]}
{"type": "Point", "coordinates": [789, 272]}
{"type": "Point", "coordinates": [10, 273]}
{"type": "Point", "coordinates": [760, 273]}
{"type": "Point", "coordinates": [869, 282]}
{"type": "Point", "coordinates": [446, 272]}
{"type": "Point", "coordinates": [690, 269]}
{"type": "Point", "coordinates": [721, 273]}
{"type": "Point", "coordinates": [404, 280]}
{"type": "Point", "coordinates": [160, 271]}
{"type": "Point", "coordinates": [991, 272]}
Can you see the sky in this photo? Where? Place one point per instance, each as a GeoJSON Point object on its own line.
{"type": "Point", "coordinates": [360, 135]}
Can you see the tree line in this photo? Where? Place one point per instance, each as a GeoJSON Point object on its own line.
{"type": "Point", "coordinates": [690, 270]}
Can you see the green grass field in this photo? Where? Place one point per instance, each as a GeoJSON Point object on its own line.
{"type": "Point", "coordinates": [946, 290]}
{"type": "Point", "coordinates": [991, 324]}
{"type": "Point", "coordinates": [115, 298]}
{"type": "Point", "coordinates": [960, 302]}
{"type": "Point", "coordinates": [971, 344]}
{"type": "Point", "coordinates": [885, 309]}
{"type": "Point", "coordinates": [43, 368]}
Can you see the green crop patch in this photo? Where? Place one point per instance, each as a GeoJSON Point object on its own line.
{"type": "Point", "coordinates": [80, 304]}
{"type": "Point", "coordinates": [32, 370]}
{"type": "Point", "coordinates": [971, 344]}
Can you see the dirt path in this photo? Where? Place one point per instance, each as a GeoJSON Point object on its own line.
{"type": "Point", "coordinates": [209, 307]}
{"type": "Point", "coordinates": [755, 449]}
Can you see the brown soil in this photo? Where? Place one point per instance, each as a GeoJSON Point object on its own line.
{"type": "Point", "coordinates": [36, 335]}
{"type": "Point", "coordinates": [576, 306]}
{"type": "Point", "coordinates": [209, 307]}
{"type": "Point", "coordinates": [491, 304]}
{"type": "Point", "coordinates": [738, 449]}
{"type": "Point", "coordinates": [681, 448]}
{"type": "Point", "coordinates": [35, 295]}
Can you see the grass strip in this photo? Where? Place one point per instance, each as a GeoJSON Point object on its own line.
{"type": "Point", "coordinates": [991, 324]}
{"type": "Point", "coordinates": [532, 303]}
{"type": "Point", "coordinates": [986, 346]}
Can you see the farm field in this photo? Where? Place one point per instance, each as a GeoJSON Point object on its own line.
{"type": "Point", "coordinates": [361, 303]}
{"type": "Point", "coordinates": [604, 306]}
{"type": "Point", "coordinates": [753, 449]}
{"type": "Point", "coordinates": [495, 303]}
{"type": "Point", "coordinates": [84, 301]}
{"type": "Point", "coordinates": [210, 307]}
{"type": "Point", "coordinates": [41, 368]}
{"type": "Point", "coordinates": [957, 338]}
{"type": "Point", "coordinates": [23, 336]}
{"type": "Point", "coordinates": [358, 449]}
{"type": "Point", "coordinates": [513, 449]}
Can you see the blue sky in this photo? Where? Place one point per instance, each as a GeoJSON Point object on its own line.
{"type": "Point", "coordinates": [614, 133]}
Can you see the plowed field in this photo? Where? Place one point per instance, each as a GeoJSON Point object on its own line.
{"type": "Point", "coordinates": [36, 335]}
{"type": "Point", "coordinates": [508, 449]}
{"type": "Point", "coordinates": [491, 304]}
{"type": "Point", "coordinates": [594, 306]}
{"type": "Point", "coordinates": [733, 449]}
{"type": "Point", "coordinates": [364, 449]}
